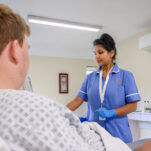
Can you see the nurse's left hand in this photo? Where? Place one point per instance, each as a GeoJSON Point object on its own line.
{"type": "Point", "coordinates": [104, 113]}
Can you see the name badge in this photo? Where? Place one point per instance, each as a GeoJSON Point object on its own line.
{"type": "Point", "coordinates": [102, 119]}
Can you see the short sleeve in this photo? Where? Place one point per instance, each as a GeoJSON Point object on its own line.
{"type": "Point", "coordinates": [131, 91]}
{"type": "Point", "coordinates": [83, 90]}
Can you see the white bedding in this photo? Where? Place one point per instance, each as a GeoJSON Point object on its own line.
{"type": "Point", "coordinates": [3, 146]}
{"type": "Point", "coordinates": [111, 143]}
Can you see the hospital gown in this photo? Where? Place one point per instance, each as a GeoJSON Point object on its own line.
{"type": "Point", "coordinates": [29, 122]}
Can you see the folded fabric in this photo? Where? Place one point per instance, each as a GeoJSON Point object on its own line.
{"type": "Point", "coordinates": [111, 143]}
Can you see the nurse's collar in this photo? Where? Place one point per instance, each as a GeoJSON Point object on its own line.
{"type": "Point", "coordinates": [114, 70]}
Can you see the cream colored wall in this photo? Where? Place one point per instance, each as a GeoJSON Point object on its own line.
{"type": "Point", "coordinates": [145, 133]}
{"type": "Point", "coordinates": [44, 76]}
{"type": "Point", "coordinates": [137, 61]}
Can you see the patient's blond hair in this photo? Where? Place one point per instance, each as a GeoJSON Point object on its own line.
{"type": "Point", "coordinates": [12, 27]}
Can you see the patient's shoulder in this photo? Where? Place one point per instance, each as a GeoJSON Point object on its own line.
{"type": "Point", "coordinates": [26, 99]}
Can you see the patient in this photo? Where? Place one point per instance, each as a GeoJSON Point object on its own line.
{"type": "Point", "coordinates": [29, 122]}
{"type": "Point", "coordinates": [145, 147]}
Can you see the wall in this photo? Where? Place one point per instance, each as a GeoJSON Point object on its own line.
{"type": "Point", "coordinates": [44, 76]}
{"type": "Point", "coordinates": [137, 61]}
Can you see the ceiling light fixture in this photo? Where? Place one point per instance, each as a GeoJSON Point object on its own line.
{"type": "Point", "coordinates": [63, 23]}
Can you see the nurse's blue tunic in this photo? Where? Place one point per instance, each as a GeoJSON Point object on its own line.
{"type": "Point", "coordinates": [121, 89]}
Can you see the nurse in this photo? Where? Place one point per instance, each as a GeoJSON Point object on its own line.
{"type": "Point", "coordinates": [111, 92]}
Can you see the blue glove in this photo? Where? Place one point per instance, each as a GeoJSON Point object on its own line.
{"type": "Point", "coordinates": [82, 119]}
{"type": "Point", "coordinates": [104, 113]}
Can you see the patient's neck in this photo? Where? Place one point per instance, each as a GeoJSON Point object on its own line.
{"type": "Point", "coordinates": [8, 81]}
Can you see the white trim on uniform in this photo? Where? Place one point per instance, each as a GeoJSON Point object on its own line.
{"type": "Point", "coordinates": [131, 94]}
{"type": "Point", "coordinates": [116, 71]}
{"type": "Point", "coordinates": [83, 92]}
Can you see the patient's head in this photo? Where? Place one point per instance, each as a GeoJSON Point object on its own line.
{"type": "Point", "coordinates": [12, 27]}
{"type": "Point", "coordinates": [14, 59]}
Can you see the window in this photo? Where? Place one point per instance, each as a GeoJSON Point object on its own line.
{"type": "Point", "coordinates": [90, 69]}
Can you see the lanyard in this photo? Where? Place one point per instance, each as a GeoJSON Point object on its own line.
{"type": "Point", "coordinates": [102, 93]}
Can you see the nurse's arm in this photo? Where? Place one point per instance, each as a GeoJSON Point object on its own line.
{"type": "Point", "coordinates": [128, 108]}
{"type": "Point", "coordinates": [73, 105]}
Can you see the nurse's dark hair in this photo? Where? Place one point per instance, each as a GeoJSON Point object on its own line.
{"type": "Point", "coordinates": [107, 42]}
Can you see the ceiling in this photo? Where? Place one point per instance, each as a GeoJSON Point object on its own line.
{"type": "Point", "coordinates": [120, 18]}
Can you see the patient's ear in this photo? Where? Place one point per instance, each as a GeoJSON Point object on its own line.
{"type": "Point", "coordinates": [14, 51]}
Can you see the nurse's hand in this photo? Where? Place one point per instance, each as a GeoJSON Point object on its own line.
{"type": "Point", "coordinates": [104, 113]}
{"type": "Point", "coordinates": [83, 119]}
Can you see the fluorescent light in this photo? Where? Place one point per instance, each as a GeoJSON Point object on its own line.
{"type": "Point", "coordinates": [62, 23]}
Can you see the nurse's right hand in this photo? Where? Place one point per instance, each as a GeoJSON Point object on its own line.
{"type": "Point", "coordinates": [82, 119]}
